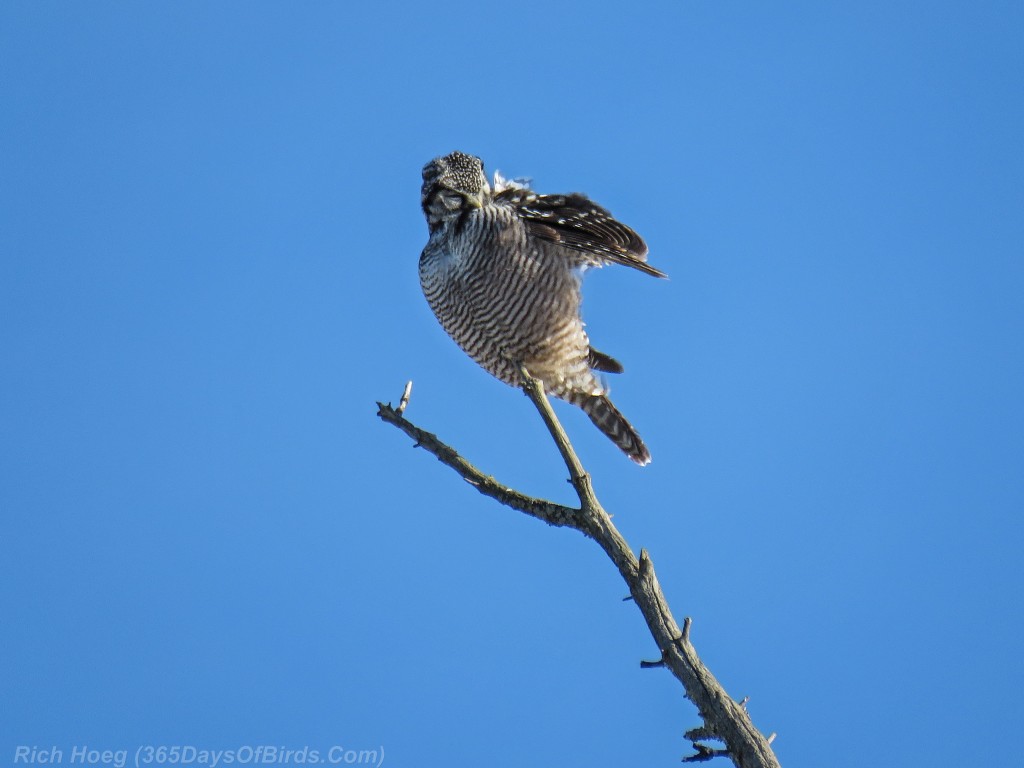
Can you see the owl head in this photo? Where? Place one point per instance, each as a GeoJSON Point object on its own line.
{"type": "Point", "coordinates": [452, 185]}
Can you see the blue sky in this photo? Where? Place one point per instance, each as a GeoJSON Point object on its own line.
{"type": "Point", "coordinates": [208, 246]}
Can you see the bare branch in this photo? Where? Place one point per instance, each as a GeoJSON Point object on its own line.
{"type": "Point", "coordinates": [534, 389]}
{"type": "Point", "coordinates": [723, 719]}
{"type": "Point", "coordinates": [548, 511]}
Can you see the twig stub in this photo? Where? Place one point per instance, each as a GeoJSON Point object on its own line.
{"type": "Point", "coordinates": [405, 398]}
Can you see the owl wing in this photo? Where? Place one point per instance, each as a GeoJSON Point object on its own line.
{"type": "Point", "coordinates": [577, 222]}
{"type": "Point", "coordinates": [599, 361]}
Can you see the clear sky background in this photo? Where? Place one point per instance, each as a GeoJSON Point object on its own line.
{"type": "Point", "coordinates": [209, 231]}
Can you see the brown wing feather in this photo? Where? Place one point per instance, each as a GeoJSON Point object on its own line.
{"type": "Point", "coordinates": [599, 361]}
{"type": "Point", "coordinates": [575, 221]}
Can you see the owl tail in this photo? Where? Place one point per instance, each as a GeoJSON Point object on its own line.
{"type": "Point", "coordinates": [609, 420]}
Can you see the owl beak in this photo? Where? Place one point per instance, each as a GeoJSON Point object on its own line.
{"type": "Point", "coordinates": [474, 200]}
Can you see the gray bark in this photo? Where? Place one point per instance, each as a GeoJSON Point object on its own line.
{"type": "Point", "coordinates": [724, 719]}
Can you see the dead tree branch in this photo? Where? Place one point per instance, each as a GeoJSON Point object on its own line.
{"type": "Point", "coordinates": [724, 719]}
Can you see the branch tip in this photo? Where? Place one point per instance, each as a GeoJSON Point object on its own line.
{"type": "Point", "coordinates": [645, 564]}
{"type": "Point", "coordinates": [405, 398]}
{"type": "Point", "coordinates": [700, 732]}
{"type": "Point", "coordinates": [705, 753]}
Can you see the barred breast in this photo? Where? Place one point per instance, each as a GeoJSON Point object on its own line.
{"type": "Point", "coordinates": [505, 300]}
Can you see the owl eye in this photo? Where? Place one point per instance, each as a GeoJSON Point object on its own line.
{"type": "Point", "coordinates": [451, 200]}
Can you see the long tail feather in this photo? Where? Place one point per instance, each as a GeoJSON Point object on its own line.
{"type": "Point", "coordinates": [609, 420]}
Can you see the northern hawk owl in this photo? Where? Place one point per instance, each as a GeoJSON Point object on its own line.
{"type": "Point", "coordinates": [502, 272]}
